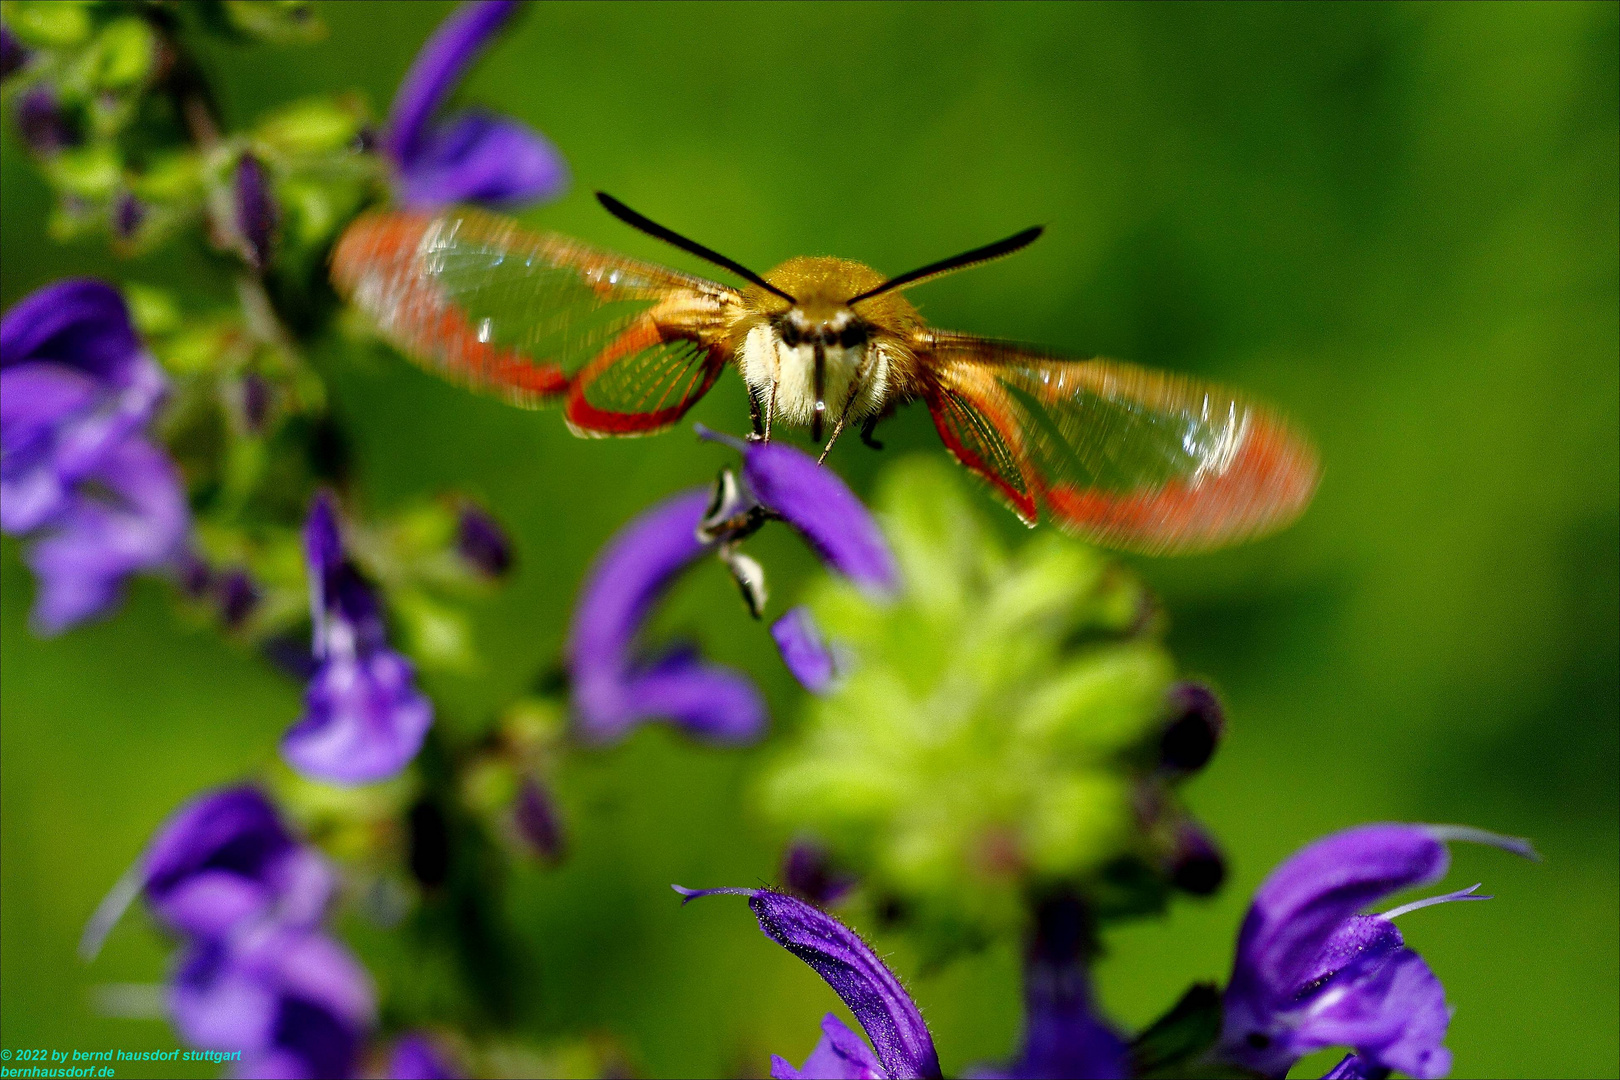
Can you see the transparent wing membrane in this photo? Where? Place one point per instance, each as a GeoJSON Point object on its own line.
{"type": "Point", "coordinates": [516, 313]}
{"type": "Point", "coordinates": [1130, 457]}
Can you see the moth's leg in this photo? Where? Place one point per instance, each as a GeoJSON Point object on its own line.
{"type": "Point", "coordinates": [755, 417]}
{"type": "Point", "coordinates": [866, 432]}
{"type": "Point", "coordinates": [770, 411]}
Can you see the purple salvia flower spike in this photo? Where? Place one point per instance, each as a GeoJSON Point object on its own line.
{"type": "Point", "coordinates": [839, 1055]}
{"type": "Point", "coordinates": [612, 688]}
{"type": "Point", "coordinates": [880, 1003]}
{"type": "Point", "coordinates": [820, 507]}
{"type": "Point", "coordinates": [473, 156]}
{"type": "Point", "coordinates": [1311, 972]}
{"type": "Point", "coordinates": [803, 649]}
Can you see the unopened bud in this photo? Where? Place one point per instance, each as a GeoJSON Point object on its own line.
{"type": "Point", "coordinates": [808, 869]}
{"type": "Point", "coordinates": [538, 823]}
{"type": "Point", "coordinates": [1194, 729]}
{"type": "Point", "coordinates": [483, 543]}
{"type": "Point", "coordinates": [256, 395]}
{"type": "Point", "coordinates": [1197, 867]}
{"type": "Point", "coordinates": [238, 596]}
{"type": "Point", "coordinates": [43, 125]}
{"type": "Point", "coordinates": [255, 211]}
{"type": "Point", "coordinates": [13, 56]}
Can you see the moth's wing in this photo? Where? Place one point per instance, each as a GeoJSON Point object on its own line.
{"type": "Point", "coordinates": [538, 318]}
{"type": "Point", "coordinates": [1128, 457]}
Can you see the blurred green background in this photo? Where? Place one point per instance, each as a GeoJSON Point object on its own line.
{"type": "Point", "coordinates": [1397, 222]}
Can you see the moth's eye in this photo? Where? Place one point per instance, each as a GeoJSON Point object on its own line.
{"type": "Point", "coordinates": [854, 334]}
{"type": "Point", "coordinates": [790, 334]}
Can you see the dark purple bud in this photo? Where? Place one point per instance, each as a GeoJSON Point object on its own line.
{"type": "Point", "coordinates": [128, 213]}
{"type": "Point", "coordinates": [256, 395]}
{"type": "Point", "coordinates": [238, 596]}
{"type": "Point", "coordinates": [538, 823]}
{"type": "Point", "coordinates": [1197, 867]}
{"type": "Point", "coordinates": [483, 543]}
{"type": "Point", "coordinates": [255, 211]}
{"type": "Point", "coordinates": [194, 575]}
{"type": "Point", "coordinates": [809, 871]}
{"type": "Point", "coordinates": [12, 54]}
{"type": "Point", "coordinates": [1194, 729]}
{"type": "Point", "coordinates": [44, 127]}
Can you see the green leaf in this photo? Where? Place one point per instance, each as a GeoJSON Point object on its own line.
{"type": "Point", "coordinates": [122, 55]}
{"type": "Point", "coordinates": [311, 127]}
{"type": "Point", "coordinates": [48, 24]}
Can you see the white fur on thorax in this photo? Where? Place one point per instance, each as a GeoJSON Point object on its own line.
{"type": "Point", "coordinates": [766, 359]}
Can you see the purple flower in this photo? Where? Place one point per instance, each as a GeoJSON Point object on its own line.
{"type": "Point", "coordinates": [809, 871]}
{"type": "Point", "coordinates": [364, 720]}
{"type": "Point", "coordinates": [482, 543]}
{"type": "Point", "coordinates": [803, 649]}
{"type": "Point", "coordinates": [13, 55]}
{"type": "Point", "coordinates": [44, 125]}
{"type": "Point", "coordinates": [254, 210]}
{"type": "Point", "coordinates": [537, 822]}
{"type": "Point", "coordinates": [76, 390]}
{"type": "Point", "coordinates": [470, 156]}
{"type": "Point", "coordinates": [614, 688]}
{"type": "Point", "coordinates": [416, 1058]}
{"type": "Point", "coordinates": [291, 1000]}
{"type": "Point", "coordinates": [901, 1045]}
{"type": "Point", "coordinates": [1062, 1035]}
{"type": "Point", "coordinates": [1312, 973]}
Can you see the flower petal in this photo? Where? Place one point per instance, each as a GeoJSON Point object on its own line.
{"type": "Point", "coordinates": [1395, 1016]}
{"type": "Point", "coordinates": [80, 322]}
{"type": "Point", "coordinates": [416, 1058]}
{"type": "Point", "coordinates": [840, 1054]}
{"type": "Point", "coordinates": [1306, 899]}
{"type": "Point", "coordinates": [856, 974]}
{"type": "Point", "coordinates": [92, 546]}
{"type": "Point", "coordinates": [478, 157]}
{"type": "Point", "coordinates": [707, 700]}
{"type": "Point", "coordinates": [820, 507]}
{"type": "Point", "coordinates": [363, 721]}
{"type": "Point", "coordinates": [803, 650]}
{"type": "Point", "coordinates": [435, 71]}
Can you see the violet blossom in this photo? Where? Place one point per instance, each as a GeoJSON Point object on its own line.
{"type": "Point", "coordinates": [256, 973]}
{"type": "Point", "coordinates": [1063, 1037]}
{"type": "Point", "coordinates": [77, 474]}
{"type": "Point", "coordinates": [469, 156]}
{"type": "Point", "coordinates": [415, 1057]}
{"type": "Point", "coordinates": [364, 720]}
{"type": "Point", "coordinates": [901, 1045]}
{"type": "Point", "coordinates": [615, 687]}
{"type": "Point", "coordinates": [1311, 972]}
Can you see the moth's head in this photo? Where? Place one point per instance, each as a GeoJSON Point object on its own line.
{"type": "Point", "coordinates": [821, 312]}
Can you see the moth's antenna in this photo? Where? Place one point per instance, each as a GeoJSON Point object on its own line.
{"type": "Point", "coordinates": [670, 236]}
{"type": "Point", "coordinates": [955, 262]}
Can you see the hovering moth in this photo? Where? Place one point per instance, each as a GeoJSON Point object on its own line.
{"type": "Point", "coordinates": [1122, 455]}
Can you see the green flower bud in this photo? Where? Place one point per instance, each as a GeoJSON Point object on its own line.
{"type": "Point", "coordinates": [122, 56]}
{"type": "Point", "coordinates": [996, 723]}
{"type": "Point", "coordinates": [311, 127]}
{"type": "Point", "coordinates": [92, 173]}
{"type": "Point", "coordinates": [280, 21]}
